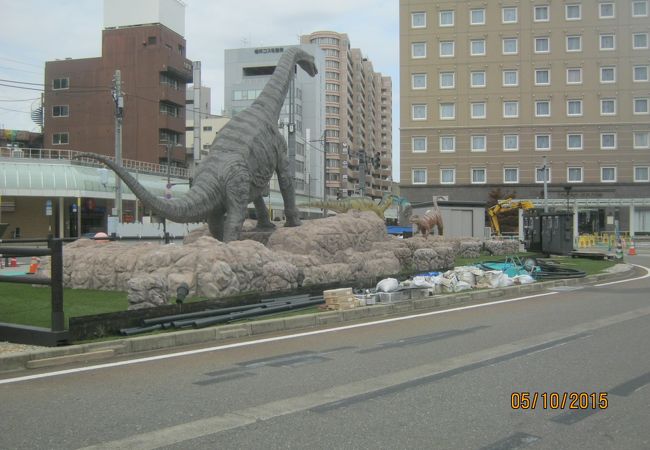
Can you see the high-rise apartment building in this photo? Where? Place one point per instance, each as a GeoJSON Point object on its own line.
{"type": "Point", "coordinates": [144, 41]}
{"type": "Point", "coordinates": [358, 119]}
{"type": "Point", "coordinates": [488, 89]}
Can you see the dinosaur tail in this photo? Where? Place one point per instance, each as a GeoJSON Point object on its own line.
{"type": "Point", "coordinates": [334, 205]}
{"type": "Point", "coordinates": [192, 207]}
{"type": "Point", "coordinates": [275, 91]}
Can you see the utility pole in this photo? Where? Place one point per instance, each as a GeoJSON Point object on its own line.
{"type": "Point", "coordinates": [168, 187]}
{"type": "Point", "coordinates": [119, 113]}
{"type": "Point", "coordinates": [291, 137]}
{"type": "Point", "coordinates": [545, 168]}
{"type": "Point", "coordinates": [362, 172]}
{"type": "Point", "coordinates": [196, 115]}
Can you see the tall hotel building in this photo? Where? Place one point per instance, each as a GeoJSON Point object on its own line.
{"type": "Point", "coordinates": [358, 119]}
{"type": "Point", "coordinates": [488, 89]}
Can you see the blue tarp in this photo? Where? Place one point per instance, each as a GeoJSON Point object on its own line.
{"type": "Point", "coordinates": [392, 229]}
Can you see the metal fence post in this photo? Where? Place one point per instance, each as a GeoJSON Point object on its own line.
{"type": "Point", "coordinates": [58, 320]}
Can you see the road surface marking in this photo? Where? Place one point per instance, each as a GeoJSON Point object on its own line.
{"type": "Point", "coordinates": [368, 387]}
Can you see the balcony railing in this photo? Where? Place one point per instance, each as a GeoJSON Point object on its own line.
{"type": "Point", "coordinates": [61, 154]}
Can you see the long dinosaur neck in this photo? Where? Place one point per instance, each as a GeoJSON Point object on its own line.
{"type": "Point", "coordinates": [272, 97]}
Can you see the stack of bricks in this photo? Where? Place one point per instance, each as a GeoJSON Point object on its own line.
{"type": "Point", "coordinates": [339, 299]}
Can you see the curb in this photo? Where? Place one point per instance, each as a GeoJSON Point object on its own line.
{"type": "Point", "coordinates": [103, 350]}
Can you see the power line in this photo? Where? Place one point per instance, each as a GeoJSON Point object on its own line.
{"type": "Point", "coordinates": [21, 82]}
{"type": "Point", "coordinates": [14, 110]}
{"type": "Point", "coordinates": [21, 100]}
{"type": "Point", "coordinates": [21, 62]}
{"type": "Point", "coordinates": [21, 87]}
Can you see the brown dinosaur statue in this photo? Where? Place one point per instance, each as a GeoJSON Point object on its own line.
{"type": "Point", "coordinates": [431, 218]}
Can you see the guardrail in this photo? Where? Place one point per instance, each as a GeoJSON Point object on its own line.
{"type": "Point", "coordinates": [25, 334]}
{"type": "Point", "coordinates": [69, 155]}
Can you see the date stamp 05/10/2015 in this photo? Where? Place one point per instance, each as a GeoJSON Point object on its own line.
{"type": "Point", "coordinates": [559, 400]}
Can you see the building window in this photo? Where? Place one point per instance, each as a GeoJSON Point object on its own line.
{"type": "Point", "coordinates": [573, 12]}
{"type": "Point", "coordinates": [510, 46]}
{"type": "Point", "coordinates": [542, 142]}
{"type": "Point", "coordinates": [574, 174]}
{"type": "Point", "coordinates": [608, 74]}
{"type": "Point", "coordinates": [639, 41]}
{"type": "Point", "coordinates": [539, 174]}
{"type": "Point", "coordinates": [477, 47]}
{"type": "Point", "coordinates": [447, 111]}
{"type": "Point", "coordinates": [478, 110]}
{"type": "Point", "coordinates": [510, 142]}
{"type": "Point", "coordinates": [418, 50]}
{"type": "Point", "coordinates": [641, 139]}
{"type": "Point", "coordinates": [608, 174]}
{"type": "Point", "coordinates": [60, 83]}
{"type": "Point", "coordinates": [478, 143]}
{"type": "Point", "coordinates": [574, 43]}
{"type": "Point", "coordinates": [542, 108]}
{"type": "Point", "coordinates": [608, 42]}
{"type": "Point", "coordinates": [447, 144]}
{"type": "Point", "coordinates": [542, 45]}
{"type": "Point", "coordinates": [510, 77]}
{"type": "Point", "coordinates": [640, 8]}
{"type": "Point", "coordinates": [419, 112]}
{"type": "Point", "coordinates": [608, 141]}
{"type": "Point", "coordinates": [510, 109]}
{"type": "Point", "coordinates": [641, 174]}
{"type": "Point", "coordinates": [510, 175]}
{"type": "Point", "coordinates": [207, 128]}
{"type": "Point", "coordinates": [574, 108]}
{"type": "Point", "coordinates": [640, 106]}
{"type": "Point", "coordinates": [418, 20]}
{"type": "Point", "coordinates": [419, 81]}
{"type": "Point", "coordinates": [446, 18]}
{"type": "Point", "coordinates": [419, 176]}
{"type": "Point", "coordinates": [419, 144]}
{"type": "Point", "coordinates": [509, 14]}
{"type": "Point", "coordinates": [640, 73]}
{"type": "Point", "coordinates": [541, 14]}
{"type": "Point", "coordinates": [332, 98]}
{"type": "Point", "coordinates": [607, 106]}
{"type": "Point", "coordinates": [446, 49]}
{"type": "Point", "coordinates": [477, 79]}
{"type": "Point", "coordinates": [574, 141]}
{"type": "Point", "coordinates": [60, 111]}
{"type": "Point", "coordinates": [477, 16]}
{"type": "Point", "coordinates": [478, 176]}
{"type": "Point", "coordinates": [542, 77]}
{"type": "Point", "coordinates": [60, 139]}
{"type": "Point", "coordinates": [574, 75]}
{"type": "Point", "coordinates": [447, 80]}
{"type": "Point", "coordinates": [606, 10]}
{"type": "Point", "coordinates": [447, 176]}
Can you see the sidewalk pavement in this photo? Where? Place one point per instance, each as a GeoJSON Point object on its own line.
{"type": "Point", "coordinates": [42, 357]}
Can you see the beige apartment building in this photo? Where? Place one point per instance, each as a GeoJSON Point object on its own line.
{"type": "Point", "coordinates": [489, 90]}
{"type": "Point", "coordinates": [358, 119]}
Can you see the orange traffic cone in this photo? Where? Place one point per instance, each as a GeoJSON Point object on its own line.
{"type": "Point", "coordinates": [33, 266]}
{"type": "Point", "coordinates": [631, 251]}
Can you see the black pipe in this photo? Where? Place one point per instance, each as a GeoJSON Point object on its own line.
{"type": "Point", "coordinates": [25, 279]}
{"type": "Point", "coordinates": [138, 330]}
{"type": "Point", "coordinates": [198, 314]}
{"type": "Point", "coordinates": [25, 251]}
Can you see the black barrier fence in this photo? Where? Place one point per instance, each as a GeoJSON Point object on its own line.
{"type": "Point", "coordinates": [25, 334]}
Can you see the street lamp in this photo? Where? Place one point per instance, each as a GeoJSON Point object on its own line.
{"type": "Point", "coordinates": [567, 190]}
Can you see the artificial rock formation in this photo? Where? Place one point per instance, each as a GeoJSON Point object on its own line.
{"type": "Point", "coordinates": [346, 247]}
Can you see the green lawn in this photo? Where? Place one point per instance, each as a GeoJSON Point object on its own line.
{"type": "Point", "coordinates": [27, 305]}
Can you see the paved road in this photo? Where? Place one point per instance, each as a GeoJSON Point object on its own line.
{"type": "Point", "coordinates": [437, 380]}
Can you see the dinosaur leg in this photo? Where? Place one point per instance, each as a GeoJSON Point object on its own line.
{"type": "Point", "coordinates": [215, 223]}
{"type": "Point", "coordinates": [439, 228]}
{"type": "Point", "coordinates": [285, 179]}
{"type": "Point", "coordinates": [263, 219]}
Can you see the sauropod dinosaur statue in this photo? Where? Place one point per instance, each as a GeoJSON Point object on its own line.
{"type": "Point", "coordinates": [242, 159]}
{"type": "Point", "coordinates": [431, 218]}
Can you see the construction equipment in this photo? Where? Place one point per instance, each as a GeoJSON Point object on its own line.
{"type": "Point", "coordinates": [505, 205]}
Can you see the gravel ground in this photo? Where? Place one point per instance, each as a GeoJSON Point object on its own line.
{"type": "Point", "coordinates": [8, 347]}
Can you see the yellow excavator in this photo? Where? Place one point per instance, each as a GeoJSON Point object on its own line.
{"type": "Point", "coordinates": [505, 205]}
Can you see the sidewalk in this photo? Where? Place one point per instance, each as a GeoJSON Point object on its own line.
{"type": "Point", "coordinates": [40, 357]}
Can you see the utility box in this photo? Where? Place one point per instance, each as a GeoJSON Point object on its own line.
{"type": "Point", "coordinates": [549, 233]}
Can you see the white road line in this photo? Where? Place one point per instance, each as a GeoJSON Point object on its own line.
{"type": "Point", "coordinates": [290, 336]}
{"type": "Point", "coordinates": [647, 274]}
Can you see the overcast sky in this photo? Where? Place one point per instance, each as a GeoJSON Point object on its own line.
{"type": "Point", "coordinates": [35, 31]}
